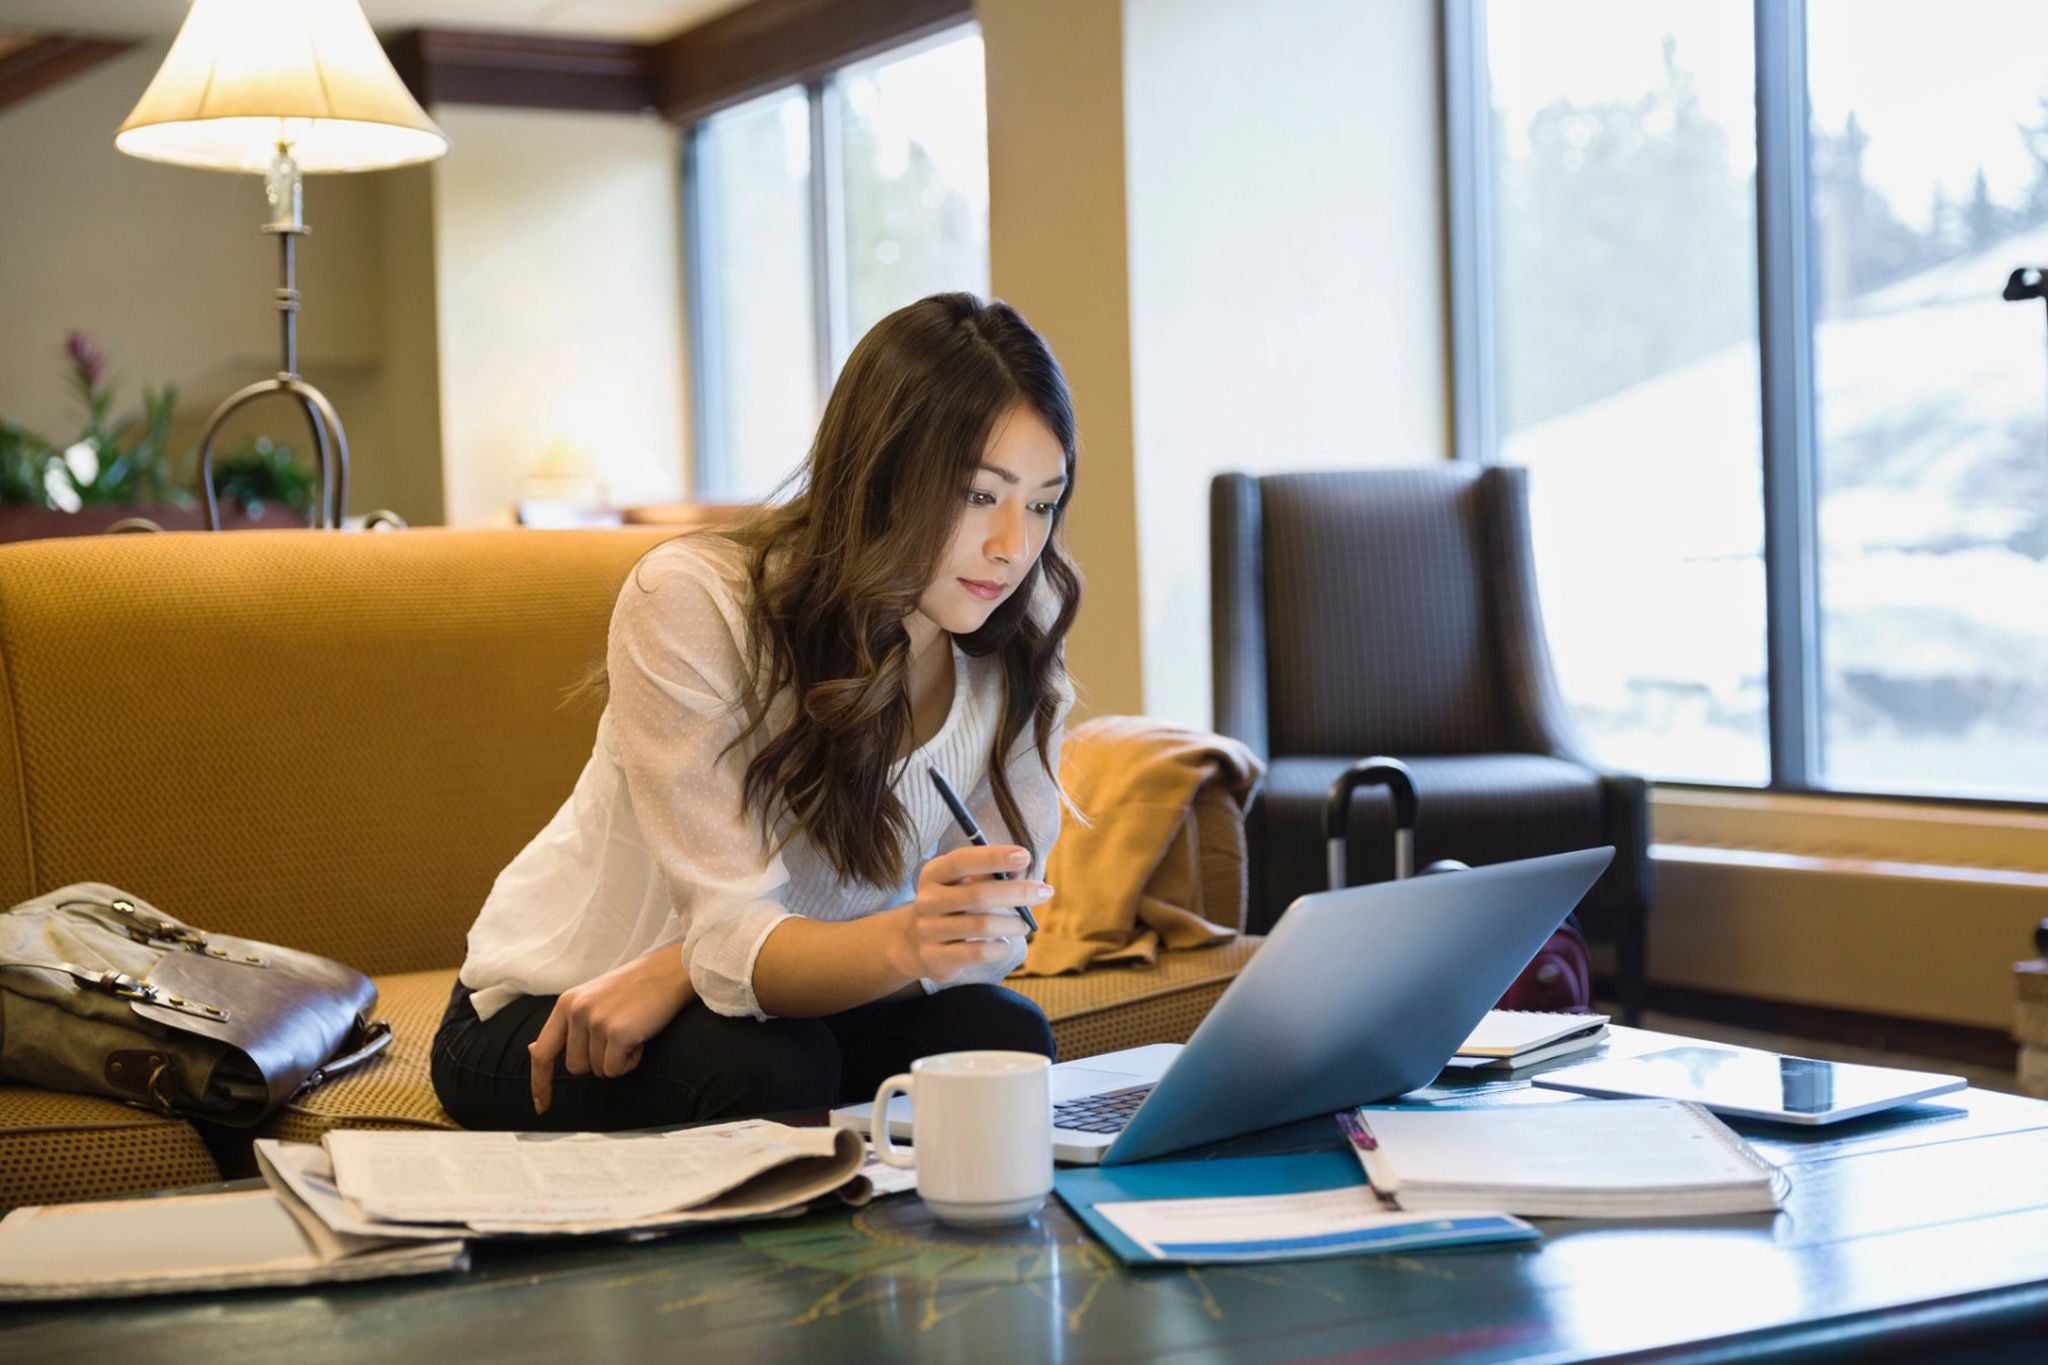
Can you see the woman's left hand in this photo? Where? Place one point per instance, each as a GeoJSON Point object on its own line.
{"type": "Point", "coordinates": [599, 1027]}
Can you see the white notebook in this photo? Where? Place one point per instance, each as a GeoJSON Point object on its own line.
{"type": "Point", "coordinates": [1584, 1158]}
{"type": "Point", "coordinates": [234, 1239]}
{"type": "Point", "coordinates": [1512, 1038]}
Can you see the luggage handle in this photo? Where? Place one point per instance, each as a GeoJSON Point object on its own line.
{"type": "Point", "coordinates": [1378, 771]}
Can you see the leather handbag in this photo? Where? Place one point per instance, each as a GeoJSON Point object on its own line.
{"type": "Point", "coordinates": [104, 994]}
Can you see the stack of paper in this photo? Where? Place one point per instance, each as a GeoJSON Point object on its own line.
{"type": "Point", "coordinates": [1506, 1039]}
{"type": "Point", "coordinates": [1586, 1159]}
{"type": "Point", "coordinates": [440, 1184]}
{"type": "Point", "coordinates": [238, 1239]}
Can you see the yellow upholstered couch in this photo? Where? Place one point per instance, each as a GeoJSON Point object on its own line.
{"type": "Point", "coordinates": [331, 741]}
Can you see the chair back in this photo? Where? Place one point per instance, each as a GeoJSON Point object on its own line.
{"type": "Point", "coordinates": [1377, 610]}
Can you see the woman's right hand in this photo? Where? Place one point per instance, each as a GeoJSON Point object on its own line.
{"type": "Point", "coordinates": [963, 914]}
{"type": "Point", "coordinates": [600, 1027]}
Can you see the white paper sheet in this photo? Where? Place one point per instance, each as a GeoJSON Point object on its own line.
{"type": "Point", "coordinates": [884, 1179]}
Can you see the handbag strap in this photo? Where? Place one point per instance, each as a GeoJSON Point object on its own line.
{"type": "Point", "coordinates": [376, 1037]}
{"type": "Point", "coordinates": [124, 986]}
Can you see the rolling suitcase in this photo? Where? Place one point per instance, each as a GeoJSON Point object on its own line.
{"type": "Point", "coordinates": [1559, 977]}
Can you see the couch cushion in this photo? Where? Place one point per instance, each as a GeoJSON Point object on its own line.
{"type": "Point", "coordinates": [56, 1147]}
{"type": "Point", "coordinates": [391, 1091]}
{"type": "Point", "coordinates": [330, 741]}
{"type": "Point", "coordinates": [1111, 1007]}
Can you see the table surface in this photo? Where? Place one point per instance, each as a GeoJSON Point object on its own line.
{"type": "Point", "coordinates": [1922, 1232]}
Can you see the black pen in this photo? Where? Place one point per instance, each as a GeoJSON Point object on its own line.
{"type": "Point", "coordinates": [973, 832]}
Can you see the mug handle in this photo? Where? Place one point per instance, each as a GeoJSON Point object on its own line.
{"type": "Point", "coordinates": [890, 1154]}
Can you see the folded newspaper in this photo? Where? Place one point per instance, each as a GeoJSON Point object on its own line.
{"type": "Point", "coordinates": [427, 1185]}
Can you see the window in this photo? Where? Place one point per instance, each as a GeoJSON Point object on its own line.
{"type": "Point", "coordinates": [814, 211]}
{"type": "Point", "coordinates": [757, 393]}
{"type": "Point", "coordinates": [1788, 446]}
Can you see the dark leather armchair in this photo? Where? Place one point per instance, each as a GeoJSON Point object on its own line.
{"type": "Point", "coordinates": [1393, 611]}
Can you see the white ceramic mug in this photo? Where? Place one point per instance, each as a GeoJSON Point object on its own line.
{"type": "Point", "coordinates": [982, 1131]}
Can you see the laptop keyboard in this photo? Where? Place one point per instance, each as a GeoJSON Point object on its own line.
{"type": "Point", "coordinates": [1107, 1112]}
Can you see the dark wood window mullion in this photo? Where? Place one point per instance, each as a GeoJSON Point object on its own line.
{"type": "Point", "coordinates": [1785, 356]}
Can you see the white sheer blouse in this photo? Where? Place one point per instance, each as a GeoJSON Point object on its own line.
{"type": "Point", "coordinates": [653, 846]}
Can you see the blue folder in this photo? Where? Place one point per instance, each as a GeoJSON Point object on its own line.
{"type": "Point", "coordinates": [1082, 1188]}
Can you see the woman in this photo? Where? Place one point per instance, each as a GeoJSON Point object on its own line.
{"type": "Point", "coordinates": [755, 900]}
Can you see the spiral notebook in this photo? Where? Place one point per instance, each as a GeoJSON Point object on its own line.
{"type": "Point", "coordinates": [1578, 1159]}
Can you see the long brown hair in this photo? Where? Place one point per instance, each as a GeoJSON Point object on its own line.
{"type": "Point", "coordinates": [837, 568]}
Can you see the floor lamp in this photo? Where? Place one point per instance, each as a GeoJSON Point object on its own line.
{"type": "Point", "coordinates": [280, 88]}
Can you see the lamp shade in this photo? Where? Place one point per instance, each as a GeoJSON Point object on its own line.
{"type": "Point", "coordinates": [243, 76]}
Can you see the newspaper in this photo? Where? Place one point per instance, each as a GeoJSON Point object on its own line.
{"type": "Point", "coordinates": [303, 1177]}
{"type": "Point", "coordinates": [421, 1184]}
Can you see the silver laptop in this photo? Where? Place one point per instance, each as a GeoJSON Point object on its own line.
{"type": "Point", "coordinates": [1357, 995]}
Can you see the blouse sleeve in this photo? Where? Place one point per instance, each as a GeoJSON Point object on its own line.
{"type": "Point", "coordinates": [676, 667]}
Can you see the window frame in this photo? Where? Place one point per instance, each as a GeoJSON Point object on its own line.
{"type": "Point", "coordinates": [1786, 266]}
{"type": "Point", "coordinates": [710, 467]}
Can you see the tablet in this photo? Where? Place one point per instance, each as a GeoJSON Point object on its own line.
{"type": "Point", "coordinates": [1746, 1083]}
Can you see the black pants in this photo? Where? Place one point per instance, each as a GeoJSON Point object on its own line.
{"type": "Point", "coordinates": [709, 1066]}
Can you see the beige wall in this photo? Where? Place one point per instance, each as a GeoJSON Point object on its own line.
{"type": "Point", "coordinates": [1056, 251]}
{"type": "Point", "coordinates": [558, 276]}
{"type": "Point", "coordinates": [166, 267]}
{"type": "Point", "coordinates": [1286, 271]}
{"type": "Point", "coordinates": [409, 350]}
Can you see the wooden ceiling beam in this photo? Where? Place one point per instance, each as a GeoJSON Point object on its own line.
{"type": "Point", "coordinates": [744, 52]}
{"type": "Point", "coordinates": [523, 70]}
{"type": "Point", "coordinates": [771, 43]}
{"type": "Point", "coordinates": [51, 60]}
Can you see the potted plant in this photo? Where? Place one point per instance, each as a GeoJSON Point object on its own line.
{"type": "Point", "coordinates": [119, 467]}
{"type": "Point", "coordinates": [261, 478]}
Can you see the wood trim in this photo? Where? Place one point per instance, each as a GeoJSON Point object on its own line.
{"type": "Point", "coordinates": [772, 43]}
{"type": "Point", "coordinates": [520, 70]}
{"type": "Point", "coordinates": [1922, 1037]}
{"type": "Point", "coordinates": [744, 52]}
{"type": "Point", "coordinates": [51, 61]}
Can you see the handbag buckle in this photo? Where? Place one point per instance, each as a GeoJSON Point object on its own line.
{"type": "Point", "coordinates": [154, 929]}
{"type": "Point", "coordinates": [127, 987]}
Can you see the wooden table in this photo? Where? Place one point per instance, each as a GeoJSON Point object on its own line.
{"type": "Point", "coordinates": [1919, 1235]}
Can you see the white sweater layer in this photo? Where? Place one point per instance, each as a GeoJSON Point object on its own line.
{"type": "Point", "coordinates": [654, 847]}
